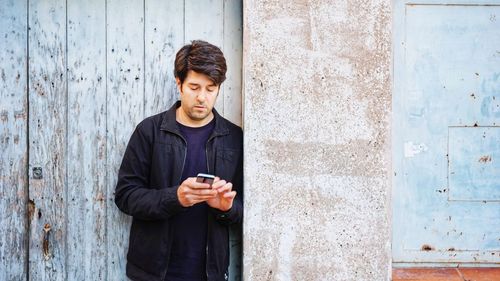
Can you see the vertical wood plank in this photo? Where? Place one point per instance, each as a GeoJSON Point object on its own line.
{"type": "Point", "coordinates": [47, 138]}
{"type": "Point", "coordinates": [86, 232]}
{"type": "Point", "coordinates": [125, 109]}
{"type": "Point", "coordinates": [204, 20]}
{"type": "Point", "coordinates": [221, 24]}
{"type": "Point", "coordinates": [233, 51]}
{"type": "Point", "coordinates": [13, 137]}
{"type": "Point", "coordinates": [164, 36]}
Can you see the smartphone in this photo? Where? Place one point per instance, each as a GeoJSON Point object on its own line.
{"type": "Point", "coordinates": [205, 178]}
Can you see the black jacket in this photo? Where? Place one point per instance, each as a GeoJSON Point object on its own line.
{"type": "Point", "coordinates": [148, 179]}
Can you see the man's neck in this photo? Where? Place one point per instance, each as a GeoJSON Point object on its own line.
{"type": "Point", "coordinates": [184, 119]}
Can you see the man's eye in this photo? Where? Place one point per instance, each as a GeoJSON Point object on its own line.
{"type": "Point", "coordinates": [211, 90]}
{"type": "Point", "coordinates": [194, 88]}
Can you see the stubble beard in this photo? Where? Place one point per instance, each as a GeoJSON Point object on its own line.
{"type": "Point", "coordinates": [199, 116]}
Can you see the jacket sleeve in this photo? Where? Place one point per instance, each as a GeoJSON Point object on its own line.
{"type": "Point", "coordinates": [133, 196]}
{"type": "Point", "coordinates": [235, 214]}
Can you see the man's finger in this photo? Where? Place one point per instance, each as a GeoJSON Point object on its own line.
{"type": "Point", "coordinates": [195, 199]}
{"type": "Point", "coordinates": [227, 187]}
{"type": "Point", "coordinates": [204, 192]}
{"type": "Point", "coordinates": [199, 199]}
{"type": "Point", "coordinates": [199, 185]}
{"type": "Point", "coordinates": [203, 197]}
{"type": "Point", "coordinates": [230, 195]}
{"type": "Point", "coordinates": [193, 184]}
{"type": "Point", "coordinates": [218, 184]}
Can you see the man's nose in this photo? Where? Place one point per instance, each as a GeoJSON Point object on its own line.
{"type": "Point", "coordinates": [201, 96]}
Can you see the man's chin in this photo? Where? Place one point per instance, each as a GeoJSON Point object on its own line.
{"type": "Point", "coordinates": [198, 117]}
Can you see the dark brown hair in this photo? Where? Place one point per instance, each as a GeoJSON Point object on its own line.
{"type": "Point", "coordinates": [201, 57]}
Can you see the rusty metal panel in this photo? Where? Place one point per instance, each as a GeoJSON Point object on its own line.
{"type": "Point", "coordinates": [13, 140]}
{"type": "Point", "coordinates": [47, 139]}
{"type": "Point", "coordinates": [86, 152]}
{"type": "Point", "coordinates": [446, 133]}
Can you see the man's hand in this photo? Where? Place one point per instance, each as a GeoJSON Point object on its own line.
{"type": "Point", "coordinates": [191, 192]}
{"type": "Point", "coordinates": [225, 195]}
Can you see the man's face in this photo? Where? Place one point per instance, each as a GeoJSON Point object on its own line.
{"type": "Point", "coordinates": [198, 95]}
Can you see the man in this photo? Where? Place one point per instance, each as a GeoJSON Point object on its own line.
{"type": "Point", "coordinates": [180, 226]}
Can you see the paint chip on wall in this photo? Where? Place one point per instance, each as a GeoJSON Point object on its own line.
{"type": "Point", "coordinates": [412, 149]}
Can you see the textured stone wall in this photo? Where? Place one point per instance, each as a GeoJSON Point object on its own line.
{"type": "Point", "coordinates": [317, 99]}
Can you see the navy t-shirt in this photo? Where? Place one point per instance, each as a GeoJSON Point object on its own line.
{"type": "Point", "coordinates": [188, 253]}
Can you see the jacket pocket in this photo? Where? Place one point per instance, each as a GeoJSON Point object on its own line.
{"type": "Point", "coordinates": [148, 248]}
{"type": "Point", "coordinates": [226, 163]}
{"type": "Point", "coordinates": [165, 169]}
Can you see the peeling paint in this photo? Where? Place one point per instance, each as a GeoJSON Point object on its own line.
{"type": "Point", "coordinates": [411, 149]}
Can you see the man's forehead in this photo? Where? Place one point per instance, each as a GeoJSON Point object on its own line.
{"type": "Point", "coordinates": [196, 78]}
{"type": "Point", "coordinates": [196, 82]}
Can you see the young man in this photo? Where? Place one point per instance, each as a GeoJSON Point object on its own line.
{"type": "Point", "coordinates": [180, 226]}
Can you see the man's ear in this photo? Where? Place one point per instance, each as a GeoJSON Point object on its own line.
{"type": "Point", "coordinates": [178, 83]}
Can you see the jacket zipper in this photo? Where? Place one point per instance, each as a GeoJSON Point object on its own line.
{"type": "Point", "coordinates": [184, 160]}
{"type": "Point", "coordinates": [206, 152]}
{"type": "Point", "coordinates": [180, 178]}
{"type": "Point", "coordinates": [208, 230]}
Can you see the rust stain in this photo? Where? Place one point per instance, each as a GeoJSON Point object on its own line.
{"type": "Point", "coordinates": [100, 197]}
{"type": "Point", "coordinates": [31, 209]}
{"type": "Point", "coordinates": [45, 245]}
{"type": "Point", "coordinates": [427, 248]}
{"type": "Point", "coordinates": [485, 159]}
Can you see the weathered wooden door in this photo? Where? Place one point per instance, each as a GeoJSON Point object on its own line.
{"type": "Point", "coordinates": [76, 77]}
{"type": "Point", "coordinates": [446, 132]}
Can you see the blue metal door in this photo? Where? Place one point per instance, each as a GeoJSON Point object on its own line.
{"type": "Point", "coordinates": [446, 132]}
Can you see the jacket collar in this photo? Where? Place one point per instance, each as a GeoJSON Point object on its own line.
{"type": "Point", "coordinates": [169, 122]}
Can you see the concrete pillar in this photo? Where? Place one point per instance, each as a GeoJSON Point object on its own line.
{"type": "Point", "coordinates": [317, 101]}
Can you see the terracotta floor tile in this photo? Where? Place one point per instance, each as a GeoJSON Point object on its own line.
{"type": "Point", "coordinates": [481, 274]}
{"type": "Point", "coordinates": [425, 274]}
